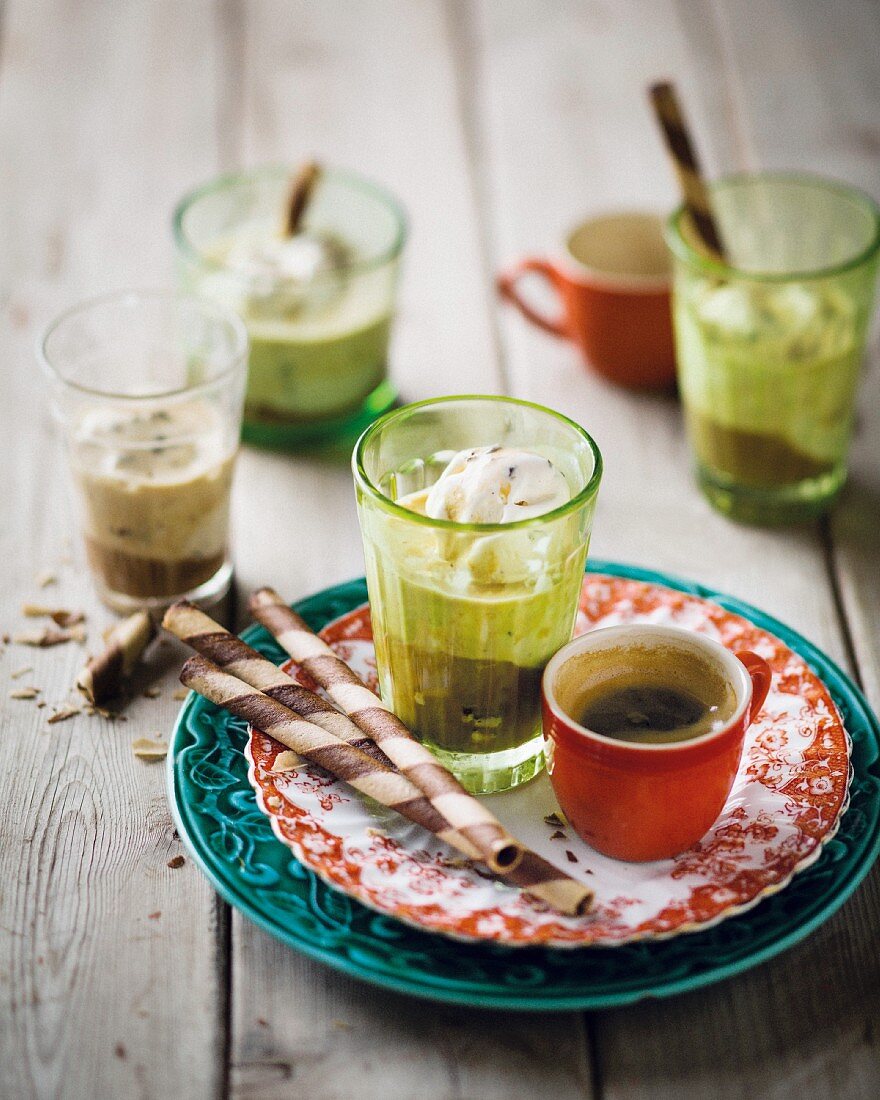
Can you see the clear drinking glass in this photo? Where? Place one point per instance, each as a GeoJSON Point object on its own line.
{"type": "Point", "coordinates": [319, 348]}
{"type": "Point", "coordinates": [466, 616]}
{"type": "Point", "coordinates": [148, 388]}
{"type": "Point", "coordinates": [769, 346]}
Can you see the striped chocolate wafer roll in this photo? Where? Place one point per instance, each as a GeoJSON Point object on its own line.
{"type": "Point", "coordinates": [318, 746]}
{"type": "Point", "coordinates": [104, 675]}
{"type": "Point", "coordinates": [540, 879]}
{"type": "Point", "coordinates": [687, 166]}
{"type": "Point", "coordinates": [496, 846]}
{"type": "Point", "coordinates": [534, 875]}
{"type": "Point", "coordinates": [237, 658]}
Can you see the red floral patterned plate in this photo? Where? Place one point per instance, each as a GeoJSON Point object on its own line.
{"type": "Point", "coordinates": [785, 804]}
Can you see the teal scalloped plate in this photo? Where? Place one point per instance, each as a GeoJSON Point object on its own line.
{"type": "Point", "coordinates": [216, 813]}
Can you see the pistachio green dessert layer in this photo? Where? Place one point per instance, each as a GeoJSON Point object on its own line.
{"type": "Point", "coordinates": [303, 377]}
{"type": "Point", "coordinates": [464, 624]}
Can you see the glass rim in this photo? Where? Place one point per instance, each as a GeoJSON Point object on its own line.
{"type": "Point", "coordinates": [353, 179]}
{"type": "Point", "coordinates": [682, 250]}
{"type": "Point", "coordinates": [238, 354]}
{"type": "Point", "coordinates": [584, 496]}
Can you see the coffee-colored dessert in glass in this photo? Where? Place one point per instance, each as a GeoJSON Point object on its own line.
{"type": "Point", "coordinates": [148, 387]}
{"type": "Point", "coordinates": [310, 261]}
{"type": "Point", "coordinates": [476, 515]}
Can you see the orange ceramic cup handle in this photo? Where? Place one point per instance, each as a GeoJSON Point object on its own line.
{"type": "Point", "coordinates": [507, 288]}
{"type": "Point", "coordinates": [761, 675]}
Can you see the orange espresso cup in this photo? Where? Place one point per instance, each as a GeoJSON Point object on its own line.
{"type": "Point", "coordinates": [613, 281]}
{"type": "Point", "coordinates": [637, 801]}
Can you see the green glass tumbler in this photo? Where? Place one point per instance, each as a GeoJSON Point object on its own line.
{"type": "Point", "coordinates": [466, 616]}
{"type": "Point", "coordinates": [318, 366]}
{"type": "Point", "coordinates": [769, 345]}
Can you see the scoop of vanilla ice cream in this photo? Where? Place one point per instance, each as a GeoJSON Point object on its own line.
{"type": "Point", "coordinates": [299, 258]}
{"type": "Point", "coordinates": [165, 444]}
{"type": "Point", "coordinates": [282, 273]}
{"type": "Point", "coordinates": [496, 485]}
{"type": "Point", "coordinates": [791, 321]}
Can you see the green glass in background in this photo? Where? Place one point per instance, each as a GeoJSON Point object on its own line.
{"type": "Point", "coordinates": [318, 364]}
{"type": "Point", "coordinates": [769, 346]}
{"type": "Point", "coordinates": [465, 616]}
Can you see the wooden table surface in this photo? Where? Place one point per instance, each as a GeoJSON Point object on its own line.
{"type": "Point", "coordinates": [499, 124]}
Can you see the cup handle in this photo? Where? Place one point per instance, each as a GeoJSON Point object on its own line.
{"type": "Point", "coordinates": [507, 288]}
{"type": "Point", "coordinates": [761, 675]}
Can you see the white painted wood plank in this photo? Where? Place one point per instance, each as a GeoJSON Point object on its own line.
{"type": "Point", "coordinates": [566, 134]}
{"type": "Point", "coordinates": [374, 88]}
{"type": "Point", "coordinates": [302, 1032]}
{"type": "Point", "coordinates": [108, 966]}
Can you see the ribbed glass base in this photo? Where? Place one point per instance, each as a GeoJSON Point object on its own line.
{"type": "Point", "coordinates": [293, 435]}
{"type": "Point", "coordinates": [491, 772]}
{"type": "Point", "coordinates": [797, 503]}
{"type": "Point", "coordinates": [206, 595]}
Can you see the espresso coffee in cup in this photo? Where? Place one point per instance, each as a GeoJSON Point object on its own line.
{"type": "Point", "coordinates": [644, 727]}
{"type": "Point", "coordinates": [649, 696]}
